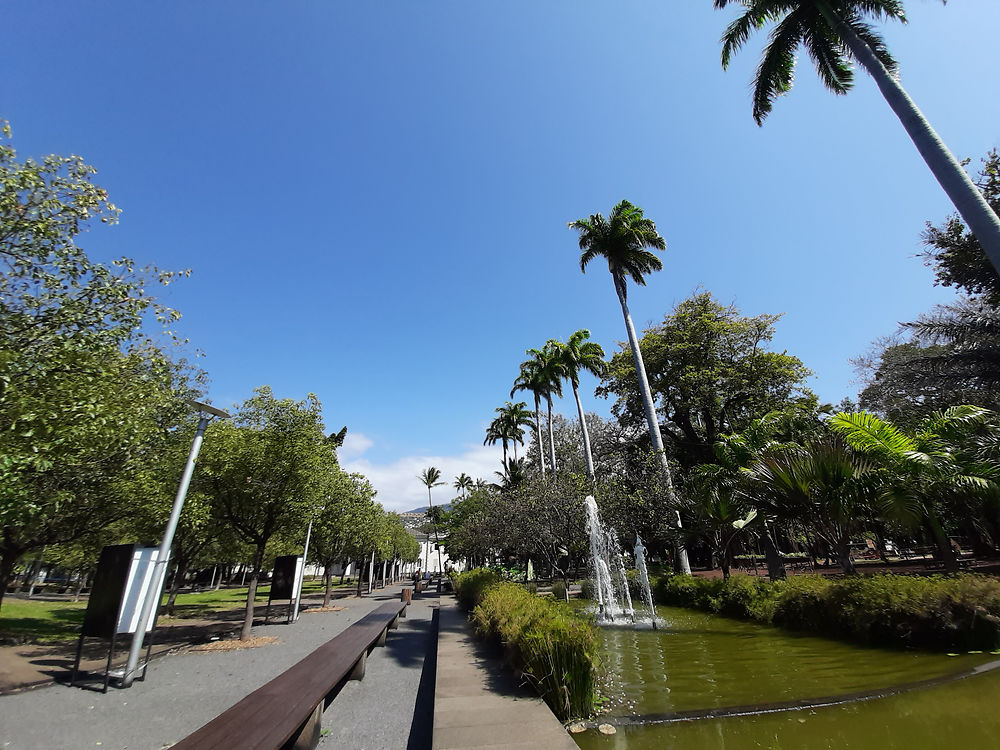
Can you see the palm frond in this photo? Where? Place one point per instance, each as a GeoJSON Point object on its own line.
{"type": "Point", "coordinates": [776, 71]}
{"type": "Point", "coordinates": [868, 433]}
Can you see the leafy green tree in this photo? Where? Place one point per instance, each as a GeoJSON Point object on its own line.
{"type": "Point", "coordinates": [85, 393]}
{"type": "Point", "coordinates": [710, 369]}
{"type": "Point", "coordinates": [267, 471]}
{"type": "Point", "coordinates": [834, 32]}
{"type": "Point", "coordinates": [622, 240]}
{"type": "Point", "coordinates": [576, 355]}
{"type": "Point", "coordinates": [929, 474]}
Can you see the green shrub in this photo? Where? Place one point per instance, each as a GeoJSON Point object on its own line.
{"type": "Point", "coordinates": [559, 590]}
{"type": "Point", "coordinates": [531, 587]}
{"type": "Point", "coordinates": [470, 585]}
{"type": "Point", "coordinates": [588, 589]}
{"type": "Point", "coordinates": [941, 612]}
{"type": "Point", "coordinates": [553, 647]}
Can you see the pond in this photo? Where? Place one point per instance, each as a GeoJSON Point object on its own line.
{"type": "Point", "coordinates": [701, 664]}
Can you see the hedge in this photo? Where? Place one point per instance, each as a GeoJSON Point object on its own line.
{"type": "Point", "coordinates": [551, 645]}
{"type": "Point", "coordinates": [936, 612]}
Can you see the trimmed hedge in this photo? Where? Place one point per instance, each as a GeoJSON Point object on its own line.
{"type": "Point", "coordinates": [938, 612]}
{"type": "Point", "coordinates": [551, 645]}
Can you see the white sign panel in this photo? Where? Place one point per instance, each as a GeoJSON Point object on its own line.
{"type": "Point", "coordinates": [139, 585]}
{"type": "Point", "coordinates": [299, 572]}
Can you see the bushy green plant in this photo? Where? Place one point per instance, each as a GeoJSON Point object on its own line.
{"type": "Point", "coordinates": [531, 587]}
{"type": "Point", "coordinates": [588, 589]}
{"type": "Point", "coordinates": [470, 585]}
{"type": "Point", "coordinates": [559, 590]}
{"type": "Point", "coordinates": [553, 647]}
{"type": "Point", "coordinates": [943, 612]}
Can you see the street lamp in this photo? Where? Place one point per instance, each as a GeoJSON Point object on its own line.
{"type": "Point", "coordinates": [205, 414]}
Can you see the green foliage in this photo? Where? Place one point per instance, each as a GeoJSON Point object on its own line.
{"type": "Point", "coordinates": [588, 589]}
{"type": "Point", "coordinates": [554, 647]}
{"type": "Point", "coordinates": [472, 584]}
{"type": "Point", "coordinates": [559, 590]}
{"type": "Point", "coordinates": [936, 612]}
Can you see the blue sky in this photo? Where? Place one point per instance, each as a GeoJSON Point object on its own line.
{"type": "Point", "coordinates": [373, 197]}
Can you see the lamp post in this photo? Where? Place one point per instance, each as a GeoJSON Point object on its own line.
{"type": "Point", "coordinates": [205, 414]}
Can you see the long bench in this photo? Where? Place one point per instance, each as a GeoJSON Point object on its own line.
{"type": "Point", "coordinates": [287, 712]}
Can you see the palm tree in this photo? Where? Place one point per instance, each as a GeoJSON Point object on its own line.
{"type": "Point", "coordinates": [463, 483]}
{"type": "Point", "coordinates": [532, 377]}
{"type": "Point", "coordinates": [622, 240]}
{"type": "Point", "coordinates": [496, 432]}
{"type": "Point", "coordinates": [430, 477]}
{"type": "Point", "coordinates": [580, 354]}
{"type": "Point", "coordinates": [550, 373]}
{"type": "Point", "coordinates": [516, 417]}
{"type": "Point", "coordinates": [834, 32]}
{"type": "Point", "coordinates": [939, 463]}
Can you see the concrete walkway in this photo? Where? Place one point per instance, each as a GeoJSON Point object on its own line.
{"type": "Point", "coordinates": [477, 703]}
{"type": "Point", "coordinates": [185, 690]}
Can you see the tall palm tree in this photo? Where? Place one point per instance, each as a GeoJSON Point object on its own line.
{"type": "Point", "coordinates": [622, 240]}
{"type": "Point", "coordinates": [431, 478]}
{"type": "Point", "coordinates": [496, 432]}
{"type": "Point", "coordinates": [578, 354]}
{"type": "Point", "coordinates": [532, 378]}
{"type": "Point", "coordinates": [463, 483]}
{"type": "Point", "coordinates": [515, 417]}
{"type": "Point", "coordinates": [834, 32]}
{"type": "Point", "coordinates": [551, 372]}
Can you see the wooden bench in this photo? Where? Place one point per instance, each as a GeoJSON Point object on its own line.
{"type": "Point", "coordinates": [287, 712]}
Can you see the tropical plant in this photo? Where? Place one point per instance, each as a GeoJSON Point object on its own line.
{"type": "Point", "coordinates": [578, 354]}
{"type": "Point", "coordinates": [622, 240]}
{"type": "Point", "coordinates": [431, 478]}
{"type": "Point", "coordinates": [834, 32]}
{"type": "Point", "coordinates": [463, 483]}
{"type": "Point", "coordinates": [542, 375]}
{"type": "Point", "coordinates": [946, 462]}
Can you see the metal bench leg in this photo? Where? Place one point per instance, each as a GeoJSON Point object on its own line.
{"type": "Point", "coordinates": [358, 673]}
{"type": "Point", "coordinates": [307, 736]}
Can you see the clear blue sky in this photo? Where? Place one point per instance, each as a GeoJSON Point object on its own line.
{"type": "Point", "coordinates": [373, 197]}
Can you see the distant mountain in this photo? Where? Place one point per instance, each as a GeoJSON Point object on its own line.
{"type": "Point", "coordinates": [423, 509]}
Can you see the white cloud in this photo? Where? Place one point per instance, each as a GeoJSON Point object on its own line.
{"type": "Point", "coordinates": [398, 487]}
{"type": "Point", "coordinates": [355, 444]}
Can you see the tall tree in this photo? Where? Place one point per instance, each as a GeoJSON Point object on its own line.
{"type": "Point", "coordinates": [578, 354]}
{"type": "Point", "coordinates": [532, 377]}
{"type": "Point", "coordinates": [622, 240]}
{"type": "Point", "coordinates": [267, 470]}
{"type": "Point", "coordinates": [430, 478]}
{"type": "Point", "coordinates": [463, 483]}
{"type": "Point", "coordinates": [834, 32]}
{"type": "Point", "coordinates": [515, 417]}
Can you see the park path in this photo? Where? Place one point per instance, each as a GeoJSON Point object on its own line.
{"type": "Point", "coordinates": [391, 708]}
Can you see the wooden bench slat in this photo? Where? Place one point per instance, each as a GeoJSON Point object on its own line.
{"type": "Point", "coordinates": [269, 716]}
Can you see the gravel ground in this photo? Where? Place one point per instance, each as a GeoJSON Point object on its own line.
{"type": "Point", "coordinates": [184, 691]}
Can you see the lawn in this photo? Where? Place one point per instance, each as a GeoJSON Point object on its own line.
{"type": "Point", "coordinates": [38, 621]}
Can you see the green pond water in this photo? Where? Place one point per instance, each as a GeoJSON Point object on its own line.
{"type": "Point", "coordinates": [701, 662]}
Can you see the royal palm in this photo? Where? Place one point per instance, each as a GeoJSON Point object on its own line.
{"type": "Point", "coordinates": [833, 32]}
{"type": "Point", "coordinates": [542, 375]}
{"type": "Point", "coordinates": [623, 240]}
{"type": "Point", "coordinates": [578, 354]}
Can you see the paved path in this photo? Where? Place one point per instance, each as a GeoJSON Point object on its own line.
{"type": "Point", "coordinates": [185, 690]}
{"type": "Point", "coordinates": [478, 704]}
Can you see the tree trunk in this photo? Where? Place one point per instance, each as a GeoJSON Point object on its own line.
{"type": "Point", "coordinates": [775, 566]}
{"type": "Point", "coordinates": [588, 456]}
{"type": "Point", "coordinates": [175, 585]}
{"type": "Point", "coordinates": [7, 560]}
{"type": "Point", "coordinates": [844, 554]}
{"type": "Point", "coordinates": [328, 579]}
{"type": "Point", "coordinates": [538, 433]}
{"type": "Point", "coordinates": [963, 193]}
{"type": "Point", "coordinates": [651, 419]}
{"type": "Point", "coordinates": [252, 593]}
{"type": "Point", "coordinates": [343, 571]}
{"type": "Point", "coordinates": [945, 552]}
{"type": "Point", "coordinates": [552, 441]}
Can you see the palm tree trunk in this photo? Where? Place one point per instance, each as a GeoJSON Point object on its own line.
{"type": "Point", "coordinates": [651, 419]}
{"type": "Point", "coordinates": [538, 432]}
{"type": "Point", "coordinates": [552, 441]}
{"type": "Point", "coordinates": [962, 192]}
{"type": "Point", "coordinates": [586, 434]}
{"type": "Point", "coordinates": [844, 553]}
{"type": "Point", "coordinates": [775, 566]}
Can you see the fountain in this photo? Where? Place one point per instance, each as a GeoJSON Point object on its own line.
{"type": "Point", "coordinates": [614, 600]}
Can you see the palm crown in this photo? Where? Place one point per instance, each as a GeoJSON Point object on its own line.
{"type": "Point", "coordinates": [622, 239]}
{"type": "Point", "coordinates": [815, 25]}
{"type": "Point", "coordinates": [580, 354]}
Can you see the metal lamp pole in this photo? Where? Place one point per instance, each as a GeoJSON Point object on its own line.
{"type": "Point", "coordinates": [205, 414]}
